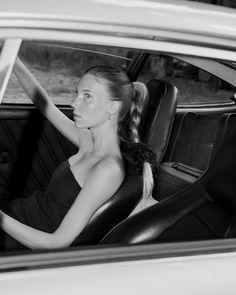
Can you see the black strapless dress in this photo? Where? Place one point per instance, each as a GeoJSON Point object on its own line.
{"type": "Point", "coordinates": [43, 210]}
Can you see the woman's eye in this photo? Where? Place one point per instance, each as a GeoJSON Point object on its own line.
{"type": "Point", "coordinates": [87, 96]}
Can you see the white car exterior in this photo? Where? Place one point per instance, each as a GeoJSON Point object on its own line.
{"type": "Point", "coordinates": [174, 26]}
{"type": "Point", "coordinates": [171, 26]}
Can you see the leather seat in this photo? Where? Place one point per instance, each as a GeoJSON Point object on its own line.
{"type": "Point", "coordinates": [191, 149]}
{"type": "Point", "coordinates": [205, 210]}
{"type": "Point", "coordinates": [155, 125]}
{"type": "Point", "coordinates": [158, 116]}
{"type": "Point", "coordinates": [112, 212]}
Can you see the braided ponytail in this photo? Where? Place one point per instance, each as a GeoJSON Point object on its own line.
{"type": "Point", "coordinates": [139, 99]}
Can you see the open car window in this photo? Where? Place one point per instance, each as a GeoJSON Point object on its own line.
{"type": "Point", "coordinates": [58, 67]}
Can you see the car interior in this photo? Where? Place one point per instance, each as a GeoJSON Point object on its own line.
{"type": "Point", "coordinates": [195, 181]}
{"type": "Point", "coordinates": [203, 210]}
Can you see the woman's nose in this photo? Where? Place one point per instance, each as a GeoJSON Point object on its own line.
{"type": "Point", "coordinates": [75, 103]}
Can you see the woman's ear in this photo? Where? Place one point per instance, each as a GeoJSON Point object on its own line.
{"type": "Point", "coordinates": [114, 106]}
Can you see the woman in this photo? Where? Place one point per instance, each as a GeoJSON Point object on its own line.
{"type": "Point", "coordinates": [54, 218]}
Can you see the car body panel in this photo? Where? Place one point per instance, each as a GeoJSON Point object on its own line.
{"type": "Point", "coordinates": [151, 14]}
{"type": "Point", "coordinates": [156, 22]}
{"type": "Point", "coordinates": [205, 267]}
{"type": "Point", "coordinates": [204, 274]}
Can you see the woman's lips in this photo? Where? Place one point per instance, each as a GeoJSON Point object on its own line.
{"type": "Point", "coordinates": [77, 117]}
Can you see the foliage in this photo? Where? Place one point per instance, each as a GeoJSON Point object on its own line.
{"type": "Point", "coordinates": [71, 58]}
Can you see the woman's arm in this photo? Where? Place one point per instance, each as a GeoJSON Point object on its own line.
{"type": "Point", "coordinates": [24, 234]}
{"type": "Point", "coordinates": [41, 99]}
{"type": "Point", "coordinates": [101, 183]}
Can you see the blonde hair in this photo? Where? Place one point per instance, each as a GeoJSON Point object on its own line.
{"type": "Point", "coordinates": [140, 97]}
{"type": "Point", "coordinates": [133, 97]}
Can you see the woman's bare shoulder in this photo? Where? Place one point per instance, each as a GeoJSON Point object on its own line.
{"type": "Point", "coordinates": [112, 164]}
{"type": "Point", "coordinates": [103, 180]}
{"type": "Point", "coordinates": [110, 167]}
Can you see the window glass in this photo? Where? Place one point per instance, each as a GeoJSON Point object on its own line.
{"type": "Point", "coordinates": [58, 67]}
{"type": "Point", "coordinates": [195, 85]}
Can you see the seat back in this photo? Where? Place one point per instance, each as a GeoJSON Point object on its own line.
{"type": "Point", "coordinates": [196, 140]}
{"type": "Point", "coordinates": [190, 151]}
{"type": "Point", "coordinates": [112, 212]}
{"type": "Point", "coordinates": [158, 116]}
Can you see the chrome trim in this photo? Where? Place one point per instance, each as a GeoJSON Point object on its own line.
{"type": "Point", "coordinates": [82, 49]}
{"type": "Point", "coordinates": [29, 260]}
{"type": "Point", "coordinates": [208, 105]}
{"type": "Point", "coordinates": [207, 109]}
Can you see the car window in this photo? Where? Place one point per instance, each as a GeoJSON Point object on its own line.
{"type": "Point", "coordinates": [58, 67]}
{"type": "Point", "coordinates": [195, 85]}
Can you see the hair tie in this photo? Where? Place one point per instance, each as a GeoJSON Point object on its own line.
{"type": "Point", "coordinates": [136, 154]}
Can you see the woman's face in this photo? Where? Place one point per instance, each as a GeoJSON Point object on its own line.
{"type": "Point", "coordinates": [91, 102]}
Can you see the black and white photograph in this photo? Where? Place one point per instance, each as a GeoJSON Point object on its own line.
{"type": "Point", "coordinates": [117, 147]}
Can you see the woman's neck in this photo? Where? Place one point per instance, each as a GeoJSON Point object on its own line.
{"type": "Point", "coordinates": [105, 139]}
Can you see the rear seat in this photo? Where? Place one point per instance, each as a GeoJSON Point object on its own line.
{"type": "Point", "coordinates": [195, 144]}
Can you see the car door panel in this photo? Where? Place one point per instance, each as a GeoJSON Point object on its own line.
{"type": "Point", "coordinates": [30, 149]}
{"type": "Point", "coordinates": [194, 142]}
